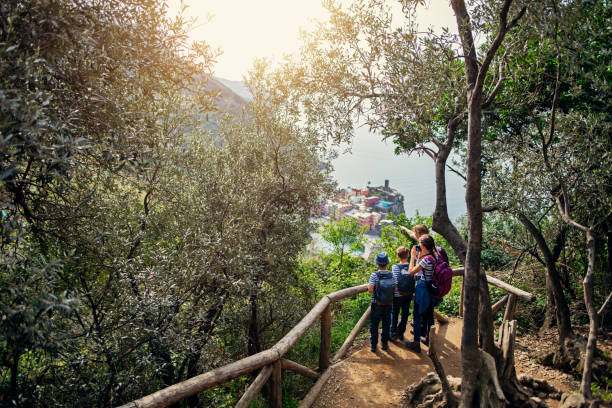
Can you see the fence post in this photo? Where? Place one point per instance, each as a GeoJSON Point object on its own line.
{"type": "Point", "coordinates": [325, 350]}
{"type": "Point", "coordinates": [461, 298]}
{"type": "Point", "coordinates": [510, 308]}
{"type": "Point", "coordinates": [276, 385]}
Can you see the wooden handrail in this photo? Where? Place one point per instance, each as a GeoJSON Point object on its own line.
{"type": "Point", "coordinates": [272, 358]}
{"type": "Point", "coordinates": [502, 285]}
{"type": "Point", "coordinates": [202, 382]}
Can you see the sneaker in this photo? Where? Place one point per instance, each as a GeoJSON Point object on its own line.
{"type": "Point", "coordinates": [394, 337]}
{"type": "Point", "coordinates": [385, 347]}
{"type": "Point", "coordinates": [373, 349]}
{"type": "Point", "coordinates": [425, 341]}
{"type": "Point", "coordinates": [414, 347]}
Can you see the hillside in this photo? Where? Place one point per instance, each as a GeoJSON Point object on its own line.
{"type": "Point", "coordinates": [228, 100]}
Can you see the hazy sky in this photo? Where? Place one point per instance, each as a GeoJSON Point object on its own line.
{"type": "Point", "coordinates": [248, 29]}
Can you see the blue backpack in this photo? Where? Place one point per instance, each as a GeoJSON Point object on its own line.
{"type": "Point", "coordinates": [405, 281]}
{"type": "Point", "coordinates": [383, 291]}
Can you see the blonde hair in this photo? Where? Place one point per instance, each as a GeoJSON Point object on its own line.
{"type": "Point", "coordinates": [420, 229]}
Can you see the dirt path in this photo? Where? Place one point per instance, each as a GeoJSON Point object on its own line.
{"type": "Point", "coordinates": [367, 379]}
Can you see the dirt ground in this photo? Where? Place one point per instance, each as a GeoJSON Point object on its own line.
{"type": "Point", "coordinates": [366, 379]}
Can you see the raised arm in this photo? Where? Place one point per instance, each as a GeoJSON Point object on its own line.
{"type": "Point", "coordinates": [409, 232]}
{"type": "Point", "coordinates": [413, 269]}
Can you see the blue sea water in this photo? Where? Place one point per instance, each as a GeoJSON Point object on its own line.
{"type": "Point", "coordinates": [373, 160]}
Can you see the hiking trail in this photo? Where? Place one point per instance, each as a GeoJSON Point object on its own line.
{"type": "Point", "coordinates": [367, 379]}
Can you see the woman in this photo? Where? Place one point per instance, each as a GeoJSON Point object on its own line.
{"type": "Point", "coordinates": [423, 270]}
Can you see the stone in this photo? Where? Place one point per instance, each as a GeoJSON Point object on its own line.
{"type": "Point", "coordinates": [572, 401]}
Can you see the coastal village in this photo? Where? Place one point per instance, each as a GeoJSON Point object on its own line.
{"type": "Point", "coordinates": [370, 206]}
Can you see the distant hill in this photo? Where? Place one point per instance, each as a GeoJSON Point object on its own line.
{"type": "Point", "coordinates": [238, 87]}
{"type": "Point", "coordinates": [228, 100]}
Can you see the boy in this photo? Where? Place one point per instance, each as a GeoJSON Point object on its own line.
{"type": "Point", "coordinates": [382, 285]}
{"type": "Point", "coordinates": [403, 296]}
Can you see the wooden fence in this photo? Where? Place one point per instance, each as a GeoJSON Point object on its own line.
{"type": "Point", "coordinates": [271, 361]}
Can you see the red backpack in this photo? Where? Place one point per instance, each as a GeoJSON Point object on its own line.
{"type": "Point", "coordinates": [442, 278]}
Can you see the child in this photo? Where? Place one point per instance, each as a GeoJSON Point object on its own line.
{"type": "Point", "coordinates": [403, 296]}
{"type": "Point", "coordinates": [422, 300]}
{"type": "Point", "coordinates": [382, 286]}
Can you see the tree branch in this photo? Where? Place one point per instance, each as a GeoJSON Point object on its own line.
{"type": "Point", "coordinates": [564, 212]}
{"type": "Point", "coordinates": [498, 86]}
{"type": "Point", "coordinates": [503, 30]}
{"type": "Point", "coordinates": [605, 305]}
{"type": "Point", "coordinates": [448, 166]}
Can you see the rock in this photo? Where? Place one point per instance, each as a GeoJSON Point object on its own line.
{"type": "Point", "coordinates": [542, 395]}
{"type": "Point", "coordinates": [572, 401]}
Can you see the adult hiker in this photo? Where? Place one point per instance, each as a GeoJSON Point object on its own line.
{"type": "Point", "coordinates": [423, 271]}
{"type": "Point", "coordinates": [419, 230]}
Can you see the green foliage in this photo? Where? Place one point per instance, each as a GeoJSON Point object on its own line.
{"type": "Point", "coordinates": [393, 237]}
{"type": "Point", "coordinates": [134, 244]}
{"type": "Point", "coordinates": [344, 235]}
{"type": "Point", "coordinates": [602, 391]}
{"type": "Point", "coordinates": [450, 303]}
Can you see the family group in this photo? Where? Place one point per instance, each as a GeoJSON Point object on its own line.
{"type": "Point", "coordinates": [423, 275]}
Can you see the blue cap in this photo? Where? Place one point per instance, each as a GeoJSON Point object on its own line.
{"type": "Point", "coordinates": [382, 258]}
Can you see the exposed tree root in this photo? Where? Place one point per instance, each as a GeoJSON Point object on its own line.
{"type": "Point", "coordinates": [498, 385]}
{"type": "Point", "coordinates": [428, 393]}
{"type": "Point", "coordinates": [569, 357]}
{"type": "Point", "coordinates": [539, 388]}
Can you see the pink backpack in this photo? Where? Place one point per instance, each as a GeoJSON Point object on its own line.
{"type": "Point", "coordinates": [442, 278]}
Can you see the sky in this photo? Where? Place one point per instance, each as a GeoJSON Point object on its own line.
{"type": "Point", "coordinates": [248, 29]}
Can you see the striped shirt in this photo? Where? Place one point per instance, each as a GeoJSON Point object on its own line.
{"type": "Point", "coordinates": [374, 281]}
{"type": "Point", "coordinates": [427, 268]}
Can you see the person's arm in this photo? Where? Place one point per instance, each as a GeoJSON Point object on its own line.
{"type": "Point", "coordinates": [413, 269]}
{"type": "Point", "coordinates": [371, 283]}
{"type": "Point", "coordinates": [395, 272]}
{"type": "Point", "coordinates": [409, 232]}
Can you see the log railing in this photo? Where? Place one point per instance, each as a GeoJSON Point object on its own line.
{"type": "Point", "coordinates": [271, 361]}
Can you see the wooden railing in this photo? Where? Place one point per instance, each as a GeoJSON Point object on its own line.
{"type": "Point", "coordinates": [271, 361]}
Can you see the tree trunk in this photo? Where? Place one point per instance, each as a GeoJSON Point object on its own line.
{"type": "Point", "coordinates": [486, 328]}
{"type": "Point", "coordinates": [585, 386]}
{"type": "Point", "coordinates": [13, 394]}
{"type": "Point", "coordinates": [551, 307]}
{"type": "Point", "coordinates": [469, 342]}
{"type": "Point", "coordinates": [254, 341]}
{"type": "Point", "coordinates": [554, 279]}
{"type": "Point", "coordinates": [441, 223]}
{"type": "Point", "coordinates": [609, 245]}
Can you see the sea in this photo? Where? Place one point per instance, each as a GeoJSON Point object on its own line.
{"type": "Point", "coordinates": [373, 160]}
